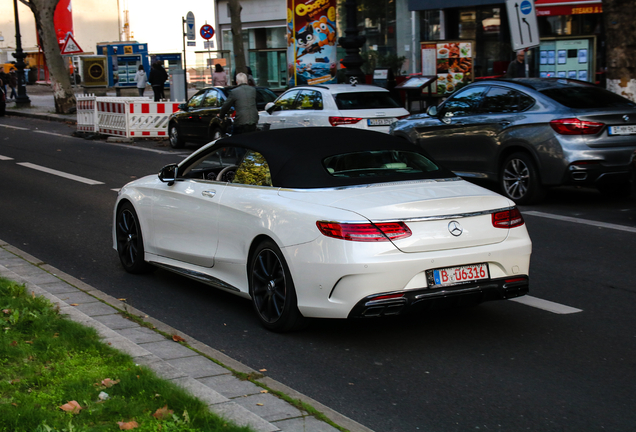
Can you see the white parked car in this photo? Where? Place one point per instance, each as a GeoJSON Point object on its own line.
{"type": "Point", "coordinates": [360, 106]}
{"type": "Point", "coordinates": [348, 223]}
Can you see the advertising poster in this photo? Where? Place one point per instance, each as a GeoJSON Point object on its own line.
{"type": "Point", "coordinates": [311, 42]}
{"type": "Point", "coordinates": [454, 66]}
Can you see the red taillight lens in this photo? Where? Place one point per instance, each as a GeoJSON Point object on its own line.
{"type": "Point", "coordinates": [574, 126]}
{"type": "Point", "coordinates": [365, 232]}
{"type": "Point", "coordinates": [336, 121]}
{"type": "Point", "coordinates": [403, 117]}
{"type": "Point", "coordinates": [507, 218]}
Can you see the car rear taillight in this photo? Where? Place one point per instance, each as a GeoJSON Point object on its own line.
{"type": "Point", "coordinates": [507, 218]}
{"type": "Point", "coordinates": [574, 126]}
{"type": "Point", "coordinates": [365, 232]}
{"type": "Point", "coordinates": [403, 117]}
{"type": "Point", "coordinates": [336, 121]}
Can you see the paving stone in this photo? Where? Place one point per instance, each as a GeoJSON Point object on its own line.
{"type": "Point", "coordinates": [168, 350]}
{"type": "Point", "coordinates": [96, 309]}
{"type": "Point", "coordinates": [164, 369]}
{"type": "Point", "coordinates": [126, 345]}
{"type": "Point", "coordinates": [198, 366]}
{"type": "Point", "coordinates": [76, 296]}
{"type": "Point", "coordinates": [242, 417]}
{"type": "Point", "coordinates": [6, 254]}
{"type": "Point", "coordinates": [230, 386]}
{"type": "Point", "coordinates": [58, 287]}
{"type": "Point", "coordinates": [304, 424]}
{"type": "Point", "coordinates": [200, 391]}
{"type": "Point", "coordinates": [116, 322]}
{"type": "Point", "coordinates": [272, 408]}
{"type": "Point", "coordinates": [141, 334]}
{"type": "Point", "coordinates": [43, 277]}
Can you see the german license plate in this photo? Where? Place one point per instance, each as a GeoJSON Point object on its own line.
{"type": "Point", "coordinates": [622, 130]}
{"type": "Point", "coordinates": [461, 274]}
{"type": "Point", "coordinates": [380, 122]}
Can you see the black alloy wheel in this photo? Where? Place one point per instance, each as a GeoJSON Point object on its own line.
{"type": "Point", "coordinates": [519, 179]}
{"type": "Point", "coordinates": [130, 243]}
{"type": "Point", "coordinates": [176, 141]}
{"type": "Point", "coordinates": [272, 290]}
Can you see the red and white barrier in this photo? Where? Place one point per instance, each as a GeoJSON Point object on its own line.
{"type": "Point", "coordinates": [124, 117]}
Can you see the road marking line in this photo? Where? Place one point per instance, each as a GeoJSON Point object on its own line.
{"type": "Point", "coordinates": [14, 127]}
{"type": "Point", "coordinates": [5, 158]}
{"type": "Point", "coordinates": [60, 173]}
{"type": "Point", "coordinates": [546, 305]}
{"type": "Point", "coordinates": [581, 221]}
{"type": "Point", "coordinates": [148, 149]}
{"type": "Point", "coordinates": [116, 190]}
{"type": "Point", "coordinates": [52, 133]}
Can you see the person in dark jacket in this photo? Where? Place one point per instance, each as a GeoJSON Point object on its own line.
{"type": "Point", "coordinates": [517, 68]}
{"type": "Point", "coordinates": [243, 99]}
{"type": "Point", "coordinates": [157, 78]}
{"type": "Point", "coordinates": [13, 83]}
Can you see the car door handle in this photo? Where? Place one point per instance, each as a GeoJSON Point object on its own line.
{"type": "Point", "coordinates": [306, 119]}
{"type": "Point", "coordinates": [504, 122]}
{"type": "Point", "coordinates": [209, 194]}
{"type": "Point", "coordinates": [282, 120]}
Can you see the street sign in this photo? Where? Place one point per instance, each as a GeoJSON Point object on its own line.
{"type": "Point", "coordinates": [190, 26]}
{"type": "Point", "coordinates": [192, 43]}
{"type": "Point", "coordinates": [70, 46]}
{"type": "Point", "coordinates": [208, 45]}
{"type": "Point", "coordinates": [207, 31]}
{"type": "Point", "coordinates": [524, 30]}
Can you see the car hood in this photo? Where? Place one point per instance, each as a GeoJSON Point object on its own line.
{"type": "Point", "coordinates": [427, 207]}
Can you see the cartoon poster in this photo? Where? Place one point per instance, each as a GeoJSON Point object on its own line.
{"type": "Point", "coordinates": [311, 42]}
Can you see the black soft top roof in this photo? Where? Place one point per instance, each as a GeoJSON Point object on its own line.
{"type": "Point", "coordinates": [295, 155]}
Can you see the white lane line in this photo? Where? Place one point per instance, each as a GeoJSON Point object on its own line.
{"type": "Point", "coordinates": [127, 146]}
{"type": "Point", "coordinates": [14, 127]}
{"type": "Point", "coordinates": [53, 133]}
{"type": "Point", "coordinates": [581, 221]}
{"type": "Point", "coordinates": [546, 305]}
{"type": "Point", "coordinates": [116, 190]}
{"type": "Point", "coordinates": [60, 173]}
{"type": "Point", "coordinates": [5, 158]}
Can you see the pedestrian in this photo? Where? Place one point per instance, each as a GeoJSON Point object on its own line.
{"type": "Point", "coordinates": [219, 77]}
{"type": "Point", "coordinates": [13, 83]}
{"type": "Point", "coordinates": [141, 79]}
{"type": "Point", "coordinates": [250, 78]}
{"type": "Point", "coordinates": [4, 79]}
{"type": "Point", "coordinates": [243, 99]}
{"type": "Point", "coordinates": [517, 67]}
{"type": "Point", "coordinates": [157, 78]}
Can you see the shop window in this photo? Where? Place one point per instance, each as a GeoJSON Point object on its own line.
{"type": "Point", "coordinates": [467, 24]}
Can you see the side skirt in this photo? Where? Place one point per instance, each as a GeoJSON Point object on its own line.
{"type": "Point", "coordinates": [198, 276]}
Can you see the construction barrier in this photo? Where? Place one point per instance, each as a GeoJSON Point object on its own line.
{"type": "Point", "coordinates": [124, 117]}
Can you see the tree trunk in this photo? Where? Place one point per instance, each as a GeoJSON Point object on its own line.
{"type": "Point", "coordinates": [620, 30]}
{"type": "Point", "coordinates": [237, 36]}
{"type": "Point", "coordinates": [43, 10]}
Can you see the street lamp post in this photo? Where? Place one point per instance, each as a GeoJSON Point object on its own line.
{"type": "Point", "coordinates": [22, 100]}
{"type": "Point", "coordinates": [352, 42]}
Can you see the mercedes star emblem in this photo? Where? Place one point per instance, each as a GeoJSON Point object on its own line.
{"type": "Point", "coordinates": [455, 228]}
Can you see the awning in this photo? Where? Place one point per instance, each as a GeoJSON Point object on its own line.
{"type": "Point", "coordinates": [567, 7]}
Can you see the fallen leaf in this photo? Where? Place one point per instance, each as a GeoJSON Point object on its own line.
{"type": "Point", "coordinates": [32, 294]}
{"type": "Point", "coordinates": [28, 342]}
{"type": "Point", "coordinates": [14, 404]}
{"type": "Point", "coordinates": [72, 407]}
{"type": "Point", "coordinates": [121, 299]}
{"type": "Point", "coordinates": [56, 335]}
{"type": "Point", "coordinates": [262, 370]}
{"type": "Point", "coordinates": [109, 382]}
{"type": "Point", "coordinates": [15, 381]}
{"type": "Point", "coordinates": [259, 404]}
{"type": "Point", "coordinates": [264, 391]}
{"type": "Point", "coordinates": [14, 343]}
{"type": "Point", "coordinates": [178, 338]}
{"type": "Point", "coordinates": [163, 413]}
{"type": "Point", "coordinates": [74, 304]}
{"type": "Point", "coordinates": [128, 425]}
{"type": "Point", "coordinates": [6, 311]}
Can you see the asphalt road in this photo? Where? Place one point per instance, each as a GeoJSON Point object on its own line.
{"type": "Point", "coordinates": [504, 366]}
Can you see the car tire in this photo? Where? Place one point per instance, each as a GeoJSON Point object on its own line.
{"type": "Point", "coordinates": [130, 242]}
{"type": "Point", "coordinates": [176, 141]}
{"type": "Point", "coordinates": [272, 290]}
{"type": "Point", "coordinates": [519, 179]}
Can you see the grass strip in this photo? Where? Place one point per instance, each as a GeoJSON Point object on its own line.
{"type": "Point", "coordinates": [48, 363]}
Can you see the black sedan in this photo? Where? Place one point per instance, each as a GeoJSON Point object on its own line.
{"type": "Point", "coordinates": [198, 120]}
{"type": "Point", "coordinates": [529, 134]}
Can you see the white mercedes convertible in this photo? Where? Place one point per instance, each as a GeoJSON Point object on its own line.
{"type": "Point", "coordinates": [324, 222]}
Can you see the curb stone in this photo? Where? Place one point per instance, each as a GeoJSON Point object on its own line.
{"type": "Point", "coordinates": [192, 368]}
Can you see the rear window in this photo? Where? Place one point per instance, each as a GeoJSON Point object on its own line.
{"type": "Point", "coordinates": [365, 100]}
{"type": "Point", "coordinates": [587, 97]}
{"type": "Point", "coordinates": [379, 164]}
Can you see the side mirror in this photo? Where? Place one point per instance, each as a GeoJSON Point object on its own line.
{"type": "Point", "coordinates": [183, 107]}
{"type": "Point", "coordinates": [269, 107]}
{"type": "Point", "coordinates": [168, 174]}
{"type": "Point", "coordinates": [432, 111]}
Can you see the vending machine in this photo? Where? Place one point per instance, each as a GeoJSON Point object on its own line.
{"type": "Point", "coordinates": [123, 60]}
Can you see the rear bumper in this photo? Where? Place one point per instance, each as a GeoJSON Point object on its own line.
{"type": "Point", "coordinates": [423, 299]}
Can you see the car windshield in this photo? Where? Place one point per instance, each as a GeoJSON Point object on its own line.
{"type": "Point", "coordinates": [365, 100]}
{"type": "Point", "coordinates": [378, 164]}
{"type": "Point", "coordinates": [587, 97]}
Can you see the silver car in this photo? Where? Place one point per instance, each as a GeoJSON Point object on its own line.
{"type": "Point", "coordinates": [529, 134]}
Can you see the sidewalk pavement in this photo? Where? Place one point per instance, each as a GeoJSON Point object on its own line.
{"type": "Point", "coordinates": [189, 365]}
